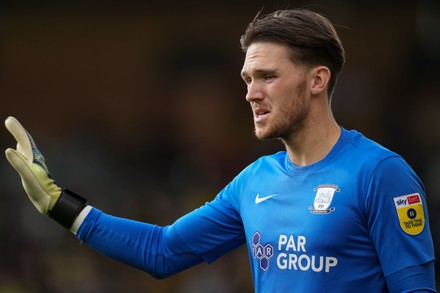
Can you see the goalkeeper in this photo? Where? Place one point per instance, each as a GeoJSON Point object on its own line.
{"type": "Point", "coordinates": [334, 212]}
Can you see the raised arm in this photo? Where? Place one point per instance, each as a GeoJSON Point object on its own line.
{"type": "Point", "coordinates": [202, 235]}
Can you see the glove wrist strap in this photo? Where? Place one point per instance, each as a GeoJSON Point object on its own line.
{"type": "Point", "coordinates": [67, 208]}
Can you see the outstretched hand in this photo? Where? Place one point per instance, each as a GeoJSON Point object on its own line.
{"type": "Point", "coordinates": [30, 164]}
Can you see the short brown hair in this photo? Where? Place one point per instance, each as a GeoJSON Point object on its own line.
{"type": "Point", "coordinates": [310, 36]}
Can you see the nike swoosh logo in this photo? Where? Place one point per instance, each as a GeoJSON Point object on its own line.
{"type": "Point", "coordinates": [259, 199]}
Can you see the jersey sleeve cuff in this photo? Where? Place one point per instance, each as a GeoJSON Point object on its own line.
{"type": "Point", "coordinates": [80, 219]}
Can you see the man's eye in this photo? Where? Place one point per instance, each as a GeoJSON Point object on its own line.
{"type": "Point", "coordinates": [268, 77]}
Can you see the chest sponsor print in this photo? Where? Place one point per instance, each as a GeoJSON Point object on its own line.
{"type": "Point", "coordinates": [289, 253]}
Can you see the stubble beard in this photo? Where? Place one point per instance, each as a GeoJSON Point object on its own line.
{"type": "Point", "coordinates": [293, 116]}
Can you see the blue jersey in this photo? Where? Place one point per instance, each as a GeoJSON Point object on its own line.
{"type": "Point", "coordinates": [343, 224]}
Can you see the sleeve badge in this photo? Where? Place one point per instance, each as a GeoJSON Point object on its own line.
{"type": "Point", "coordinates": [410, 212]}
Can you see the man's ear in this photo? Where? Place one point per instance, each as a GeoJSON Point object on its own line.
{"type": "Point", "coordinates": [320, 76]}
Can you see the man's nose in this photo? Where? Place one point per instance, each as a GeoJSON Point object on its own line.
{"type": "Point", "coordinates": [254, 92]}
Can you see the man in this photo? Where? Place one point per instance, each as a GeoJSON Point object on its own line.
{"type": "Point", "coordinates": [334, 212]}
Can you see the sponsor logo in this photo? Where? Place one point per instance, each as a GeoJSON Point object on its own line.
{"type": "Point", "coordinates": [323, 199]}
{"type": "Point", "coordinates": [259, 199]}
{"type": "Point", "coordinates": [410, 213]}
{"type": "Point", "coordinates": [263, 252]}
{"type": "Point", "coordinates": [291, 254]}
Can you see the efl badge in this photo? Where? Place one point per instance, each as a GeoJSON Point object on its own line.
{"type": "Point", "coordinates": [410, 211]}
{"type": "Point", "coordinates": [323, 199]}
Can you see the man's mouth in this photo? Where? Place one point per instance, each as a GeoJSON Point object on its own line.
{"type": "Point", "coordinates": [260, 115]}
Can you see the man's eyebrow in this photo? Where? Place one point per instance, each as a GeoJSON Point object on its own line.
{"type": "Point", "coordinates": [259, 72]}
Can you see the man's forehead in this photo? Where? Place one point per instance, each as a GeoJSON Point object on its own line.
{"type": "Point", "coordinates": [265, 56]}
{"type": "Point", "coordinates": [267, 49]}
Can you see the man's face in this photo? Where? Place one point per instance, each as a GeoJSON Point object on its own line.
{"type": "Point", "coordinates": [276, 90]}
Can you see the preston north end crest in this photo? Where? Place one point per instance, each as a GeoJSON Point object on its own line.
{"type": "Point", "coordinates": [323, 199]}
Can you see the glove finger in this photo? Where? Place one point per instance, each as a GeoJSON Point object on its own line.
{"type": "Point", "coordinates": [25, 143]}
{"type": "Point", "coordinates": [16, 159]}
{"type": "Point", "coordinates": [21, 136]}
{"type": "Point", "coordinates": [31, 184]}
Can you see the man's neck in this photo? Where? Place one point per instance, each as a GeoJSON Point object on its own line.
{"type": "Point", "coordinates": [313, 144]}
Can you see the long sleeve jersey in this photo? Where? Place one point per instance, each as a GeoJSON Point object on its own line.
{"type": "Point", "coordinates": [352, 222]}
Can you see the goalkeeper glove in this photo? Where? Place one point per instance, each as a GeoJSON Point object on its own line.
{"type": "Point", "coordinates": [63, 206]}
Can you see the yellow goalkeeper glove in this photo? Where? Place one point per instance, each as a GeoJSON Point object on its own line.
{"type": "Point", "coordinates": [63, 206]}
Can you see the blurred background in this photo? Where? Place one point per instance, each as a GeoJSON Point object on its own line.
{"type": "Point", "coordinates": [140, 108]}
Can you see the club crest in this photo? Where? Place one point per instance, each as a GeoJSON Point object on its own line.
{"type": "Point", "coordinates": [323, 199]}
